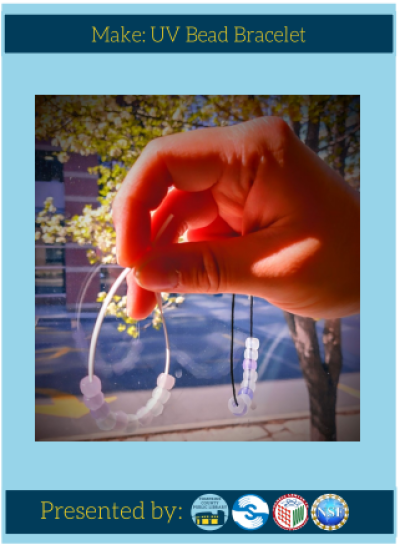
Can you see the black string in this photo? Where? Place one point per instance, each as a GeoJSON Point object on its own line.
{"type": "Point", "coordinates": [251, 316]}
{"type": "Point", "coordinates": [232, 323]}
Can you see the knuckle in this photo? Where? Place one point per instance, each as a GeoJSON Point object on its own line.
{"type": "Point", "coordinates": [280, 126]}
{"type": "Point", "coordinates": [276, 129]}
{"type": "Point", "coordinates": [153, 147]}
{"type": "Point", "coordinates": [276, 137]}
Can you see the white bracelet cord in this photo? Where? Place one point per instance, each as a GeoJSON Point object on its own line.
{"type": "Point", "coordinates": [107, 301]}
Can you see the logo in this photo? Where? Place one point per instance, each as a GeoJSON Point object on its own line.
{"type": "Point", "coordinates": [330, 512]}
{"type": "Point", "coordinates": [250, 512]}
{"type": "Point", "coordinates": [209, 512]}
{"type": "Point", "coordinates": [290, 512]}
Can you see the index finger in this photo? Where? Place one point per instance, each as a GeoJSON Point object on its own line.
{"type": "Point", "coordinates": [191, 161]}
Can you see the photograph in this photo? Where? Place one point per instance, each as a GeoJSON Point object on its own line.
{"type": "Point", "coordinates": [197, 268]}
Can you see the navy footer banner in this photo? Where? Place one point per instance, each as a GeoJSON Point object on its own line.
{"type": "Point", "coordinates": [191, 512]}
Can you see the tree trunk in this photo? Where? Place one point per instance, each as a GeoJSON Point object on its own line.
{"type": "Point", "coordinates": [321, 377]}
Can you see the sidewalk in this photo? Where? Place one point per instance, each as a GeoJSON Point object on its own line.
{"type": "Point", "coordinates": [195, 411]}
{"type": "Point", "coordinates": [296, 429]}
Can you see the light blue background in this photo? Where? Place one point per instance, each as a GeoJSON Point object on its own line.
{"type": "Point", "coordinates": [369, 464]}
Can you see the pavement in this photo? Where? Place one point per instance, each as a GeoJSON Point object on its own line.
{"type": "Point", "coordinates": [296, 429]}
{"type": "Point", "coordinates": [190, 410]}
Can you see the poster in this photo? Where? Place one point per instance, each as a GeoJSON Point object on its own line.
{"type": "Point", "coordinates": [214, 253]}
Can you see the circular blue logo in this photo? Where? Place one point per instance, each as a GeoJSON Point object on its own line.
{"type": "Point", "coordinates": [330, 512]}
{"type": "Point", "coordinates": [209, 512]}
{"type": "Point", "coordinates": [250, 512]}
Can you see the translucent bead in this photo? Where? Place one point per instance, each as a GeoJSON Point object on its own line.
{"type": "Point", "coordinates": [122, 420]}
{"type": "Point", "coordinates": [252, 342]}
{"type": "Point", "coordinates": [246, 399]}
{"type": "Point", "coordinates": [161, 395]}
{"type": "Point", "coordinates": [238, 410]}
{"type": "Point", "coordinates": [157, 409]}
{"type": "Point", "coordinates": [90, 388]}
{"type": "Point", "coordinates": [102, 411]}
{"type": "Point", "coordinates": [155, 406]}
{"type": "Point", "coordinates": [132, 424]}
{"type": "Point", "coordinates": [250, 374]}
{"type": "Point", "coordinates": [248, 384]}
{"type": "Point", "coordinates": [249, 364]}
{"type": "Point", "coordinates": [166, 381]}
{"type": "Point", "coordinates": [246, 391]}
{"type": "Point", "coordinates": [108, 423]}
{"type": "Point", "coordinates": [251, 354]}
{"type": "Point", "coordinates": [145, 416]}
{"type": "Point", "coordinates": [94, 402]}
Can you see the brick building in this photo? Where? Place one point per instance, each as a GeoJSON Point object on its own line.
{"type": "Point", "coordinates": [61, 269]}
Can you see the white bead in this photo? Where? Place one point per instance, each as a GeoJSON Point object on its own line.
{"type": "Point", "coordinates": [250, 374]}
{"type": "Point", "coordinates": [144, 415]}
{"type": "Point", "coordinates": [166, 381]}
{"type": "Point", "coordinates": [240, 409]}
{"type": "Point", "coordinates": [108, 423]}
{"type": "Point", "coordinates": [155, 406]}
{"type": "Point", "coordinates": [247, 399]}
{"type": "Point", "coordinates": [252, 342]}
{"type": "Point", "coordinates": [133, 423]}
{"type": "Point", "coordinates": [157, 409]}
{"type": "Point", "coordinates": [248, 384]}
{"type": "Point", "coordinates": [161, 395]}
{"type": "Point", "coordinates": [251, 354]}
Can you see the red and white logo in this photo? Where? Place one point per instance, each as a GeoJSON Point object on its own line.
{"type": "Point", "coordinates": [290, 512]}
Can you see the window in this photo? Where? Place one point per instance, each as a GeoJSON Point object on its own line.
{"type": "Point", "coordinates": [55, 256]}
{"type": "Point", "coordinates": [49, 281]}
{"type": "Point", "coordinates": [49, 270]}
{"type": "Point", "coordinates": [47, 167]}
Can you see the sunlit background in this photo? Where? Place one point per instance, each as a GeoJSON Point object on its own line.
{"type": "Point", "coordinates": [83, 148]}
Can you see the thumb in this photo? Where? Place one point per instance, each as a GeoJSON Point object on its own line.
{"type": "Point", "coordinates": [219, 266]}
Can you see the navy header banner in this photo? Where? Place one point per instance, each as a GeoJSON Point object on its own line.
{"type": "Point", "coordinates": [198, 34]}
{"type": "Point", "coordinates": [177, 512]}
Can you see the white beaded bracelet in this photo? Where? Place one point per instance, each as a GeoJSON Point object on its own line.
{"type": "Point", "coordinates": [91, 384]}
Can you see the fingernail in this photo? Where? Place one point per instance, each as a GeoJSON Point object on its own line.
{"type": "Point", "coordinates": [156, 279]}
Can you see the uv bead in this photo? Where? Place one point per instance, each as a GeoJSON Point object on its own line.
{"type": "Point", "coordinates": [121, 420]}
{"type": "Point", "coordinates": [247, 399]}
{"type": "Point", "coordinates": [108, 423]}
{"type": "Point", "coordinates": [166, 381]}
{"type": "Point", "coordinates": [248, 384]}
{"type": "Point", "coordinates": [94, 402]}
{"type": "Point", "coordinates": [155, 406]}
{"type": "Point", "coordinates": [145, 416]}
{"type": "Point", "coordinates": [249, 364]}
{"type": "Point", "coordinates": [251, 354]}
{"type": "Point", "coordinates": [161, 394]}
{"type": "Point", "coordinates": [102, 411]}
{"type": "Point", "coordinates": [252, 342]}
{"type": "Point", "coordinates": [90, 388]}
{"type": "Point", "coordinates": [247, 391]}
{"type": "Point", "coordinates": [132, 424]}
{"type": "Point", "coordinates": [238, 410]}
{"type": "Point", "coordinates": [250, 374]}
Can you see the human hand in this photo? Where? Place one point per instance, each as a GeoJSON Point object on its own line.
{"type": "Point", "coordinates": [264, 216]}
